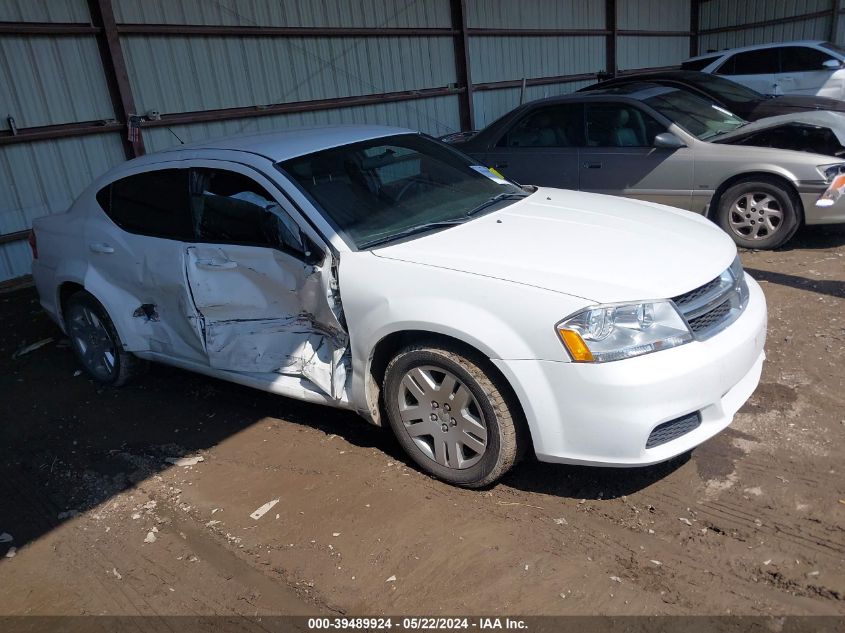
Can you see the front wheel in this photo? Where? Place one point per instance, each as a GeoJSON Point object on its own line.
{"type": "Point", "coordinates": [759, 214]}
{"type": "Point", "coordinates": [451, 415]}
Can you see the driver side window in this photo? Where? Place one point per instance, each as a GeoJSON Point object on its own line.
{"type": "Point", "coordinates": [620, 125]}
{"type": "Point", "coordinates": [229, 208]}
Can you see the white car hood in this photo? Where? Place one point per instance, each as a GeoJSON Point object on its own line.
{"type": "Point", "coordinates": [601, 248]}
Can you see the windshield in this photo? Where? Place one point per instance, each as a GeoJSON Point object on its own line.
{"type": "Point", "coordinates": [387, 187]}
{"type": "Point", "coordinates": [700, 118]}
{"type": "Point", "coordinates": [728, 90]}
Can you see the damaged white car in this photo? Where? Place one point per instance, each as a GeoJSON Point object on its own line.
{"type": "Point", "coordinates": [378, 270]}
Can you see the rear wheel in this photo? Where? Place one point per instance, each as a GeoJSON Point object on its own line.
{"type": "Point", "coordinates": [451, 415]}
{"type": "Point", "coordinates": [759, 214]}
{"type": "Point", "coordinates": [96, 342]}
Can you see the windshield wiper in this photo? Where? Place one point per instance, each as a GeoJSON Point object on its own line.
{"type": "Point", "coordinates": [508, 195]}
{"type": "Point", "coordinates": [420, 228]}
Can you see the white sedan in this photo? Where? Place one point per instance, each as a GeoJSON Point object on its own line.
{"type": "Point", "coordinates": [811, 67]}
{"type": "Point", "coordinates": [378, 270]}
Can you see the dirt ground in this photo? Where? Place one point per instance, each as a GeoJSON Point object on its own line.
{"type": "Point", "coordinates": [101, 523]}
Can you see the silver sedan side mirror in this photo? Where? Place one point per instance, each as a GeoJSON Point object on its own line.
{"type": "Point", "coordinates": [832, 64]}
{"type": "Point", "coordinates": [667, 140]}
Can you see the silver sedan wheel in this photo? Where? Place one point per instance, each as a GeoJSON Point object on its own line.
{"type": "Point", "coordinates": [442, 417]}
{"type": "Point", "coordinates": [93, 341]}
{"type": "Point", "coordinates": [755, 216]}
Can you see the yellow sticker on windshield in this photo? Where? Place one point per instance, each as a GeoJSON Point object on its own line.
{"type": "Point", "coordinates": [496, 172]}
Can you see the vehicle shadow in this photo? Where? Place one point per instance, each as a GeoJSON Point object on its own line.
{"type": "Point", "coordinates": [829, 287]}
{"type": "Point", "coordinates": [68, 444]}
{"type": "Point", "coordinates": [588, 482]}
{"type": "Point", "coordinates": [816, 237]}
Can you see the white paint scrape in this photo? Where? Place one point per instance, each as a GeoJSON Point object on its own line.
{"type": "Point", "coordinates": [260, 512]}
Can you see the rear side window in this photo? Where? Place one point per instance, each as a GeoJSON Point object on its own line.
{"type": "Point", "coordinates": [154, 203]}
{"type": "Point", "coordinates": [761, 62]}
{"type": "Point", "coordinates": [559, 125]}
{"type": "Point", "coordinates": [698, 64]}
{"type": "Point", "coordinates": [794, 59]}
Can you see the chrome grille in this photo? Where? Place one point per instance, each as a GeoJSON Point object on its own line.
{"type": "Point", "coordinates": [673, 429]}
{"type": "Point", "coordinates": [712, 307]}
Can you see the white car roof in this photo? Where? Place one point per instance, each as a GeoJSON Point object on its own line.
{"type": "Point", "coordinates": [285, 144]}
{"type": "Point", "coordinates": [731, 51]}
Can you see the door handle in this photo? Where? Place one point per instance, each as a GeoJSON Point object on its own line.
{"type": "Point", "coordinates": [216, 264]}
{"type": "Point", "coordinates": [101, 247]}
{"type": "Point", "coordinates": [589, 165]}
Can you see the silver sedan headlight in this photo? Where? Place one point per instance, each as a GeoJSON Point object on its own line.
{"type": "Point", "coordinates": [830, 171]}
{"type": "Point", "coordinates": [605, 333]}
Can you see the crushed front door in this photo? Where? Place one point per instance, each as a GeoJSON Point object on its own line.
{"type": "Point", "coordinates": [263, 311]}
{"type": "Point", "coordinates": [264, 305]}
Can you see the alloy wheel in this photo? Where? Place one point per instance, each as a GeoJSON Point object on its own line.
{"type": "Point", "coordinates": [755, 216]}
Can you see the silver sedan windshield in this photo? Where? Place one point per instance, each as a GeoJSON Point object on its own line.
{"type": "Point", "coordinates": [701, 118]}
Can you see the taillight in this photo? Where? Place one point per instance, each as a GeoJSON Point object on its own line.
{"type": "Point", "coordinates": [33, 244]}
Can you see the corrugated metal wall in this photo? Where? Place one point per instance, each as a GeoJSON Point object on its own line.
{"type": "Point", "coordinates": [51, 80]}
{"type": "Point", "coordinates": [637, 51]}
{"type": "Point", "coordinates": [732, 13]}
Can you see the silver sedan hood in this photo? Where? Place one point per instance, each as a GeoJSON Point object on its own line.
{"type": "Point", "coordinates": [601, 248]}
{"type": "Point", "coordinates": [823, 118]}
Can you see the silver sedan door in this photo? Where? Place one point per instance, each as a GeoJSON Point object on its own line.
{"type": "Point", "coordinates": [621, 159]}
{"type": "Point", "coordinates": [541, 147]}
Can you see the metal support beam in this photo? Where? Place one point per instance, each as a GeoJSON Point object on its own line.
{"type": "Point", "coordinates": [611, 28]}
{"type": "Point", "coordinates": [114, 66]}
{"type": "Point", "coordinates": [56, 29]}
{"type": "Point", "coordinates": [773, 22]}
{"type": "Point", "coordinates": [694, 22]}
{"type": "Point", "coordinates": [17, 236]}
{"type": "Point", "coordinates": [834, 20]}
{"type": "Point", "coordinates": [187, 30]}
{"type": "Point", "coordinates": [63, 130]}
{"type": "Point", "coordinates": [462, 63]}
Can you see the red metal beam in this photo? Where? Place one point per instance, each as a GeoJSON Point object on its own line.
{"type": "Point", "coordinates": [52, 132]}
{"type": "Point", "coordinates": [462, 62]}
{"type": "Point", "coordinates": [47, 28]}
{"type": "Point", "coordinates": [753, 25]}
{"type": "Point", "coordinates": [111, 54]}
{"type": "Point", "coordinates": [182, 30]}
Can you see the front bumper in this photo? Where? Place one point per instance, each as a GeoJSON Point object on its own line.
{"type": "Point", "coordinates": [834, 214]}
{"type": "Point", "coordinates": [603, 414]}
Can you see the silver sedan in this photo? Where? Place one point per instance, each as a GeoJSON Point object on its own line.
{"type": "Point", "coordinates": [663, 145]}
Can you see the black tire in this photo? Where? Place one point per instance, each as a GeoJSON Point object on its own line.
{"type": "Point", "coordinates": [745, 223]}
{"type": "Point", "coordinates": [125, 365]}
{"type": "Point", "coordinates": [506, 438]}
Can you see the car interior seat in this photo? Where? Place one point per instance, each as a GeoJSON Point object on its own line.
{"type": "Point", "coordinates": [623, 134]}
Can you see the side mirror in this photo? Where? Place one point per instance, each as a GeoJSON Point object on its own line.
{"type": "Point", "coordinates": [832, 64]}
{"type": "Point", "coordinates": [667, 140]}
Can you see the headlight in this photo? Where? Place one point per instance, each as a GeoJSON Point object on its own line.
{"type": "Point", "coordinates": [831, 171]}
{"type": "Point", "coordinates": [606, 333]}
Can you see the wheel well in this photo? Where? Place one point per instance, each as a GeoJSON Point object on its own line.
{"type": "Point", "coordinates": [760, 176]}
{"type": "Point", "coordinates": [66, 290]}
{"type": "Point", "coordinates": [387, 348]}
